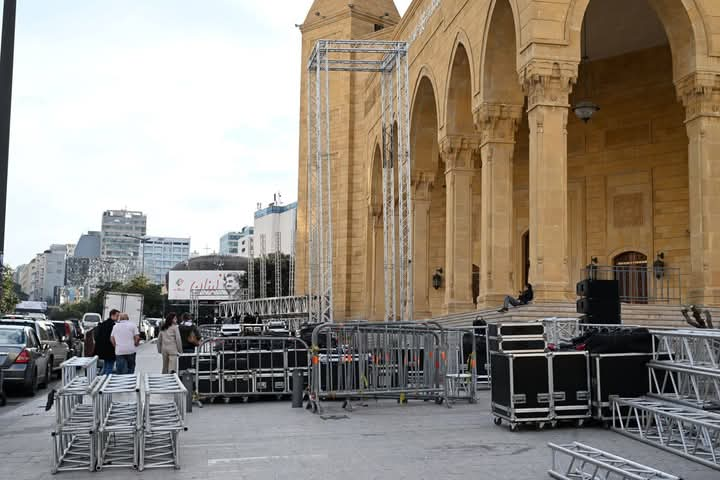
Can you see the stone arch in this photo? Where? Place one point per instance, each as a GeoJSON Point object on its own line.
{"type": "Point", "coordinates": [375, 258]}
{"type": "Point", "coordinates": [424, 126]}
{"type": "Point", "coordinates": [498, 62]}
{"type": "Point", "coordinates": [459, 93]}
{"type": "Point", "coordinates": [375, 184]}
{"type": "Point", "coordinates": [683, 23]}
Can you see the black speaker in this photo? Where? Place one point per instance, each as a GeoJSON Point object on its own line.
{"type": "Point", "coordinates": [605, 289]}
{"type": "Point", "coordinates": [597, 306]}
{"type": "Point", "coordinates": [603, 319]}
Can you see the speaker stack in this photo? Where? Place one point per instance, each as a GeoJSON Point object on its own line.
{"type": "Point", "coordinates": [599, 301]}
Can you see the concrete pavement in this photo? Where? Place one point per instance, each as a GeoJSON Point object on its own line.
{"type": "Point", "coordinates": [269, 440]}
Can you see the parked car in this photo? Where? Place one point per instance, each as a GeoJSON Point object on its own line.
{"type": "Point", "coordinates": [90, 320]}
{"type": "Point", "coordinates": [58, 350]}
{"type": "Point", "coordinates": [78, 326]}
{"type": "Point", "coordinates": [27, 357]}
{"type": "Point", "coordinates": [68, 333]}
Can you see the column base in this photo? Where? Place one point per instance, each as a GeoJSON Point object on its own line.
{"type": "Point", "coordinates": [458, 306]}
{"type": "Point", "coordinates": [553, 293]}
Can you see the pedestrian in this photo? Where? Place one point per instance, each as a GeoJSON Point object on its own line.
{"type": "Point", "coordinates": [104, 348]}
{"type": "Point", "coordinates": [169, 343]}
{"type": "Point", "coordinates": [189, 334]}
{"type": "Point", "coordinates": [525, 297]}
{"type": "Point", "coordinates": [125, 338]}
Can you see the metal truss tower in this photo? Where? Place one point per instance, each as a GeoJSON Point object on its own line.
{"type": "Point", "coordinates": [291, 276]}
{"type": "Point", "coordinates": [390, 60]}
{"type": "Point", "coordinates": [251, 269]}
{"type": "Point", "coordinates": [278, 269]}
{"type": "Point", "coordinates": [263, 268]}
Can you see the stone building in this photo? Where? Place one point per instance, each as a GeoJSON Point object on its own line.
{"type": "Point", "coordinates": [509, 185]}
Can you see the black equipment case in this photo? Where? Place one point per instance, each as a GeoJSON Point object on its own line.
{"type": "Point", "coordinates": [621, 374]}
{"type": "Point", "coordinates": [516, 337]}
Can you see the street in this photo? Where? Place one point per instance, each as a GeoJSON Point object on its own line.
{"type": "Point", "coordinates": [269, 440]}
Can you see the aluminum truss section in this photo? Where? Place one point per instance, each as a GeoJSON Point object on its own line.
{"type": "Point", "coordinates": [120, 415]}
{"type": "Point", "coordinates": [263, 268]}
{"type": "Point", "coordinates": [696, 388]}
{"type": "Point", "coordinates": [268, 307]}
{"type": "Point", "coordinates": [690, 348]}
{"type": "Point", "coordinates": [79, 367]}
{"type": "Point", "coordinates": [560, 330]}
{"type": "Point", "coordinates": [685, 431]}
{"type": "Point", "coordinates": [390, 60]}
{"type": "Point", "coordinates": [278, 265]}
{"type": "Point", "coordinates": [164, 418]}
{"type": "Point", "coordinates": [582, 462]}
{"type": "Point", "coordinates": [251, 269]}
{"type": "Point", "coordinates": [291, 276]}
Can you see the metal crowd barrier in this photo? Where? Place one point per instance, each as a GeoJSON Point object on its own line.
{"type": "Point", "coordinates": [120, 415]}
{"type": "Point", "coordinates": [76, 422]}
{"type": "Point", "coordinates": [79, 366]}
{"type": "Point", "coordinates": [461, 377]}
{"type": "Point", "coordinates": [361, 360]}
{"type": "Point", "coordinates": [247, 366]}
{"type": "Point", "coordinates": [164, 418]}
{"type": "Point", "coordinates": [577, 461]}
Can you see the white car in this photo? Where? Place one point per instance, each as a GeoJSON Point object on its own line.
{"type": "Point", "coordinates": [91, 320]}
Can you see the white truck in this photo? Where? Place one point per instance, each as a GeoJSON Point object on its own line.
{"type": "Point", "coordinates": [130, 303]}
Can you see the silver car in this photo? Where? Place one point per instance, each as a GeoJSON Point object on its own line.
{"type": "Point", "coordinates": [24, 358]}
{"type": "Point", "coordinates": [58, 351]}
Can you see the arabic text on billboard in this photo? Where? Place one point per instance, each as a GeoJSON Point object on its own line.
{"type": "Point", "coordinates": [216, 285]}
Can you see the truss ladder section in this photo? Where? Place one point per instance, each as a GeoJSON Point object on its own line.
{"type": "Point", "coordinates": [263, 268]}
{"type": "Point", "coordinates": [697, 388]}
{"type": "Point", "coordinates": [685, 431]}
{"type": "Point", "coordinates": [688, 347]}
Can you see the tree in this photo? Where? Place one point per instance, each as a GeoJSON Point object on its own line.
{"type": "Point", "coordinates": [9, 299]}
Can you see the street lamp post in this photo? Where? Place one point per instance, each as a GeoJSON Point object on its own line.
{"type": "Point", "coordinates": [143, 241]}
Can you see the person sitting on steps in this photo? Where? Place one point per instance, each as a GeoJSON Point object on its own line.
{"type": "Point", "coordinates": [525, 297]}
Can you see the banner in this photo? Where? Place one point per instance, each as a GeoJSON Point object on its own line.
{"type": "Point", "coordinates": [217, 285]}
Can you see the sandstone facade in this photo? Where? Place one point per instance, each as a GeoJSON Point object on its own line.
{"type": "Point", "coordinates": [507, 182]}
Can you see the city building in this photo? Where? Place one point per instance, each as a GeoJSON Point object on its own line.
{"type": "Point", "coordinates": [541, 138]}
{"type": "Point", "coordinates": [121, 232]}
{"type": "Point", "coordinates": [273, 221]}
{"type": "Point", "coordinates": [88, 246]}
{"type": "Point", "coordinates": [41, 277]}
{"type": "Point", "coordinates": [161, 254]}
{"type": "Point", "coordinates": [237, 243]}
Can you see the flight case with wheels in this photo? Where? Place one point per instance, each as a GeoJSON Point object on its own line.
{"type": "Point", "coordinates": [621, 374]}
{"type": "Point", "coordinates": [571, 386]}
{"type": "Point", "coordinates": [521, 386]}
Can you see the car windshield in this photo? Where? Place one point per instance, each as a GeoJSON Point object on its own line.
{"type": "Point", "coordinates": [94, 318]}
{"type": "Point", "coordinates": [11, 337]}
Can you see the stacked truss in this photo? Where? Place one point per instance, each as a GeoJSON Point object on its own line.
{"type": "Point", "coordinates": [685, 431]}
{"type": "Point", "coordinates": [278, 269]}
{"type": "Point", "coordinates": [263, 268]}
{"type": "Point", "coordinates": [390, 60]}
{"type": "Point", "coordinates": [695, 387]}
{"type": "Point", "coordinates": [691, 348]}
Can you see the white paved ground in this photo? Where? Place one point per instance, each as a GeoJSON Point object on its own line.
{"type": "Point", "coordinates": [269, 440]}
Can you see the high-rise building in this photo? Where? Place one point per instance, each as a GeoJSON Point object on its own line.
{"type": "Point", "coordinates": [89, 245]}
{"type": "Point", "coordinates": [160, 254]}
{"type": "Point", "coordinates": [237, 243]}
{"type": "Point", "coordinates": [40, 278]}
{"type": "Point", "coordinates": [120, 229]}
{"type": "Point", "coordinates": [274, 220]}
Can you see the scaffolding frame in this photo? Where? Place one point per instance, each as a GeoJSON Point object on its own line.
{"type": "Point", "coordinates": [390, 60]}
{"type": "Point", "coordinates": [291, 273]}
{"type": "Point", "coordinates": [263, 268]}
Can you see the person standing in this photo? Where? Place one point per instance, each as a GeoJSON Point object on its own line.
{"type": "Point", "coordinates": [169, 343]}
{"type": "Point", "coordinates": [104, 348]}
{"type": "Point", "coordinates": [189, 333]}
{"type": "Point", "coordinates": [125, 338]}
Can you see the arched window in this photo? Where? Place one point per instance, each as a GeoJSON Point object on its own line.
{"type": "Point", "coordinates": [631, 274]}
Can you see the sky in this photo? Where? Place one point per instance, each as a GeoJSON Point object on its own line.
{"type": "Point", "coordinates": [187, 111]}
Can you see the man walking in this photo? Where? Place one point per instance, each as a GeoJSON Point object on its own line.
{"type": "Point", "coordinates": [125, 338]}
{"type": "Point", "coordinates": [104, 348]}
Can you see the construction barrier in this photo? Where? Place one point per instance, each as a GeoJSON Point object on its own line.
{"type": "Point", "coordinates": [362, 360]}
{"type": "Point", "coordinates": [246, 366]}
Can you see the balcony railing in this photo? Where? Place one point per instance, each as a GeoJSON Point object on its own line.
{"type": "Point", "coordinates": [640, 284]}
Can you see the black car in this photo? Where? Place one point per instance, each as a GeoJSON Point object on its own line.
{"type": "Point", "coordinates": [24, 357]}
{"type": "Point", "coordinates": [68, 333]}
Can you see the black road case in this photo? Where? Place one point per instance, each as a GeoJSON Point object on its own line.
{"type": "Point", "coordinates": [621, 374]}
{"type": "Point", "coordinates": [521, 386]}
{"type": "Point", "coordinates": [571, 386]}
{"type": "Point", "coordinates": [516, 337]}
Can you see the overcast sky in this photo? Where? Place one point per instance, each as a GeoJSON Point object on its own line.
{"type": "Point", "coordinates": [185, 110]}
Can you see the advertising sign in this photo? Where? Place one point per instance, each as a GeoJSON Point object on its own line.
{"type": "Point", "coordinates": [217, 285]}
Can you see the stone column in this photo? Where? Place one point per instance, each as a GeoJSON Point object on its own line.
{"type": "Point", "coordinates": [498, 125]}
{"type": "Point", "coordinates": [547, 85]}
{"type": "Point", "coordinates": [377, 295]}
{"type": "Point", "coordinates": [459, 153]}
{"type": "Point", "coordinates": [700, 93]}
{"type": "Point", "coordinates": [422, 186]}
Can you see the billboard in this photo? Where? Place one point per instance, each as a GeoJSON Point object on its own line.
{"type": "Point", "coordinates": [217, 285]}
